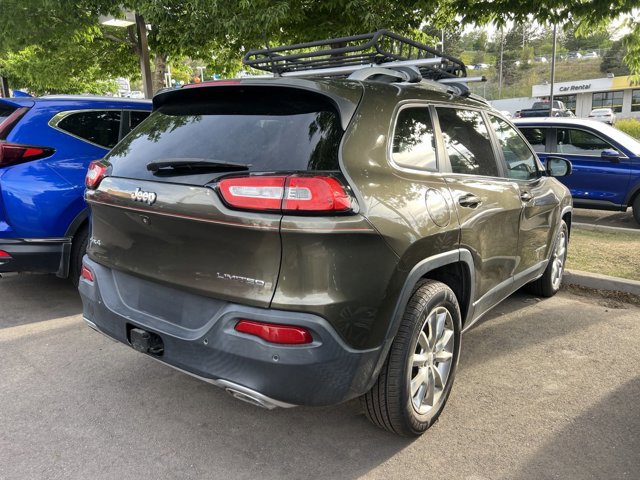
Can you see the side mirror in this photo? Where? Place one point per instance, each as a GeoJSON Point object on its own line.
{"type": "Point", "coordinates": [611, 155]}
{"type": "Point", "coordinates": [558, 167]}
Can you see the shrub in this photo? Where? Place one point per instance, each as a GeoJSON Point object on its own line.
{"type": "Point", "coordinates": [630, 126]}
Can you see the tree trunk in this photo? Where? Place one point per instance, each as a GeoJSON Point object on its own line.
{"type": "Point", "coordinates": [159, 70]}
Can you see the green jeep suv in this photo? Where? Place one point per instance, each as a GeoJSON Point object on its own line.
{"type": "Point", "coordinates": [308, 240]}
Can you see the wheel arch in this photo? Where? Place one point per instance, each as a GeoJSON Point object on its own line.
{"type": "Point", "coordinates": [567, 214]}
{"type": "Point", "coordinates": [453, 268]}
{"type": "Point", "coordinates": [77, 223]}
{"type": "Point", "coordinates": [632, 195]}
{"type": "Point", "coordinates": [80, 221]}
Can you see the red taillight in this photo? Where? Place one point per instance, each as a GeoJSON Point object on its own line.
{"type": "Point", "coordinates": [273, 333]}
{"type": "Point", "coordinates": [4, 254]}
{"type": "Point", "coordinates": [12, 153]}
{"type": "Point", "coordinates": [253, 193]}
{"type": "Point", "coordinates": [289, 194]}
{"type": "Point", "coordinates": [315, 194]}
{"type": "Point", "coordinates": [95, 174]}
{"type": "Point", "coordinates": [86, 273]}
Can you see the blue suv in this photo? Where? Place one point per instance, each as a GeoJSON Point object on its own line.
{"type": "Point", "coordinates": [606, 161]}
{"type": "Point", "coordinates": [46, 145]}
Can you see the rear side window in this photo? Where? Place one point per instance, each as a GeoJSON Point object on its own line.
{"type": "Point", "coordinates": [5, 111]}
{"type": "Point", "coordinates": [520, 160]}
{"type": "Point", "coordinates": [413, 140]}
{"type": "Point", "coordinates": [536, 136]}
{"type": "Point", "coordinates": [266, 129]}
{"type": "Point", "coordinates": [580, 142]}
{"type": "Point", "coordinates": [101, 127]}
{"type": "Point", "coordinates": [467, 142]}
{"type": "Point", "coordinates": [135, 117]}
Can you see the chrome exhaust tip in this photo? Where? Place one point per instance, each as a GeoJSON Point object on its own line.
{"type": "Point", "coordinates": [245, 397]}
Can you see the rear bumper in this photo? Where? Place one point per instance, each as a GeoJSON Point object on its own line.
{"type": "Point", "coordinates": [44, 255]}
{"type": "Point", "coordinates": [205, 344]}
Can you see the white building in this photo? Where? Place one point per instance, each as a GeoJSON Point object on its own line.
{"type": "Point", "coordinates": [581, 96]}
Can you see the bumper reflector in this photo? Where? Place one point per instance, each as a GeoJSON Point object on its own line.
{"type": "Point", "coordinates": [273, 333]}
{"type": "Point", "coordinates": [4, 254]}
{"type": "Point", "coordinates": [86, 274]}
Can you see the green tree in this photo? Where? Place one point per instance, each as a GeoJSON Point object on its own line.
{"type": "Point", "coordinates": [221, 30]}
{"type": "Point", "coordinates": [613, 60]}
{"type": "Point", "coordinates": [593, 41]}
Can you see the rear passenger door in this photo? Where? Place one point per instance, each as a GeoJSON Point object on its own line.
{"type": "Point", "coordinates": [487, 204]}
{"type": "Point", "coordinates": [540, 206]}
{"type": "Point", "coordinates": [595, 178]}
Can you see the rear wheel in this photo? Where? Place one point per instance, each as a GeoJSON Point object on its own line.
{"type": "Point", "coordinates": [78, 249]}
{"type": "Point", "coordinates": [417, 376]}
{"type": "Point", "coordinates": [636, 208]}
{"type": "Point", "coordinates": [549, 284]}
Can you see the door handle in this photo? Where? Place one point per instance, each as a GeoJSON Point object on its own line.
{"type": "Point", "coordinates": [525, 196]}
{"type": "Point", "coordinates": [470, 200]}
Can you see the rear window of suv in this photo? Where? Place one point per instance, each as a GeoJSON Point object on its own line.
{"type": "Point", "coordinates": [5, 111]}
{"type": "Point", "coordinates": [266, 129]}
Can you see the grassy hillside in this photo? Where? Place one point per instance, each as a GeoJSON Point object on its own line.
{"type": "Point", "coordinates": [533, 74]}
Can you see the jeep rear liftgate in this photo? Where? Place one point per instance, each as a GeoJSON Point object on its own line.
{"type": "Point", "coordinates": [183, 235]}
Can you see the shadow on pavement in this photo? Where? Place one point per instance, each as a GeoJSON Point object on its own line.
{"type": "Point", "coordinates": [606, 218]}
{"type": "Point", "coordinates": [511, 326]}
{"type": "Point", "coordinates": [604, 442]}
{"type": "Point", "coordinates": [36, 298]}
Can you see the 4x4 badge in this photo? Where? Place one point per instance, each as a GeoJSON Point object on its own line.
{"type": "Point", "coordinates": [141, 196]}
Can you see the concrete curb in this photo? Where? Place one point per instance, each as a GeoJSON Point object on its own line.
{"type": "Point", "coordinates": [606, 228]}
{"type": "Point", "coordinates": [600, 282]}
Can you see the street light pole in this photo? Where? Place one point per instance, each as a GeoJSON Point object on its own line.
{"type": "Point", "coordinates": [143, 48]}
{"type": "Point", "coordinates": [4, 87]}
{"type": "Point", "coordinates": [553, 69]}
{"type": "Point", "coordinates": [501, 57]}
{"type": "Point", "coordinates": [126, 19]}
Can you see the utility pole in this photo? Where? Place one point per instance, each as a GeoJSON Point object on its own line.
{"type": "Point", "coordinates": [4, 87]}
{"type": "Point", "coordinates": [501, 52]}
{"type": "Point", "coordinates": [553, 68]}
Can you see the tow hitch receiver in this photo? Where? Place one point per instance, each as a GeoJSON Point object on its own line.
{"type": "Point", "coordinates": [146, 342]}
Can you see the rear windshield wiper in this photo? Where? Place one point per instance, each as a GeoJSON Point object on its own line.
{"type": "Point", "coordinates": [185, 166]}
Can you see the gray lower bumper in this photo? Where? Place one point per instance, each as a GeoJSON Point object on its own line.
{"type": "Point", "coordinates": [202, 341]}
{"type": "Point", "coordinates": [43, 255]}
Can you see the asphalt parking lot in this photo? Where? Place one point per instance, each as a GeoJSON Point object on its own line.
{"type": "Point", "coordinates": [546, 389]}
{"type": "Point", "coordinates": [606, 218]}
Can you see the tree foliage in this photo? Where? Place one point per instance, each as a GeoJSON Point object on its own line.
{"type": "Point", "coordinates": [77, 49]}
{"type": "Point", "coordinates": [613, 61]}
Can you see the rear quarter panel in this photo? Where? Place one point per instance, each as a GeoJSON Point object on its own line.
{"type": "Point", "coordinates": [394, 201]}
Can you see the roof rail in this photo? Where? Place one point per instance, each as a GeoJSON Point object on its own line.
{"type": "Point", "coordinates": [343, 56]}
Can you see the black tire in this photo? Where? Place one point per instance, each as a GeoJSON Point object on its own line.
{"type": "Point", "coordinates": [549, 283]}
{"type": "Point", "coordinates": [636, 209]}
{"type": "Point", "coordinates": [78, 249]}
{"type": "Point", "coordinates": [390, 404]}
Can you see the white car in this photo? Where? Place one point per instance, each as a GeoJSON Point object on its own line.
{"type": "Point", "coordinates": [603, 115]}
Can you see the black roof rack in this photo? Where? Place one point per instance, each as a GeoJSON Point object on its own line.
{"type": "Point", "coordinates": [342, 56]}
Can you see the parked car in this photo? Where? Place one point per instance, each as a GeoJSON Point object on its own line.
{"type": "Point", "coordinates": [574, 56]}
{"type": "Point", "coordinates": [605, 115]}
{"type": "Point", "coordinates": [606, 161]}
{"type": "Point", "coordinates": [541, 109]}
{"type": "Point", "coordinates": [46, 145]}
{"type": "Point", "coordinates": [540, 59]}
{"type": "Point", "coordinates": [589, 55]}
{"type": "Point", "coordinates": [305, 241]}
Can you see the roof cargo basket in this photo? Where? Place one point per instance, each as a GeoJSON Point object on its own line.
{"type": "Point", "coordinates": [343, 56]}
